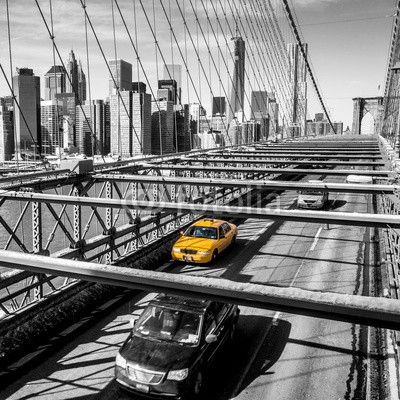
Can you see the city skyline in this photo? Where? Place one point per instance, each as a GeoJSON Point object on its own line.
{"type": "Point", "coordinates": [323, 24]}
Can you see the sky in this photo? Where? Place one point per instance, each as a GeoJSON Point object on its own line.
{"type": "Point", "coordinates": [348, 44]}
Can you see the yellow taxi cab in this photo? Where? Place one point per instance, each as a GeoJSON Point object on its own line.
{"type": "Point", "coordinates": [204, 240]}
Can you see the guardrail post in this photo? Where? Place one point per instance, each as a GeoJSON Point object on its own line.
{"type": "Point", "coordinates": [134, 214]}
{"type": "Point", "coordinates": [109, 223]}
{"type": "Point", "coordinates": [156, 224]}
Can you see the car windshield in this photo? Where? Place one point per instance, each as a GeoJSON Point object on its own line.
{"type": "Point", "coordinates": [168, 324]}
{"type": "Point", "coordinates": [202, 232]}
{"type": "Point", "coordinates": [312, 192]}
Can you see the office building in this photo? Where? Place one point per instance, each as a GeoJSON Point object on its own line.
{"type": "Point", "coordinates": [162, 127]}
{"type": "Point", "coordinates": [259, 104]}
{"type": "Point", "coordinates": [130, 123]}
{"type": "Point", "coordinates": [6, 129]}
{"type": "Point", "coordinates": [235, 109]}
{"type": "Point", "coordinates": [54, 82]}
{"type": "Point", "coordinates": [71, 84]}
{"type": "Point", "coordinates": [320, 126]}
{"type": "Point", "coordinates": [121, 76]}
{"type": "Point", "coordinates": [27, 115]}
{"type": "Point", "coordinates": [138, 87]}
{"type": "Point", "coordinates": [81, 83]}
{"type": "Point", "coordinates": [51, 120]}
{"type": "Point", "coordinates": [184, 129]}
{"type": "Point", "coordinates": [174, 72]}
{"type": "Point", "coordinates": [219, 106]}
{"type": "Point", "coordinates": [167, 90]}
{"type": "Point", "coordinates": [92, 128]}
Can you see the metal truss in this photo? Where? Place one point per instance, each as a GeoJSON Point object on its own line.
{"type": "Point", "coordinates": [379, 312]}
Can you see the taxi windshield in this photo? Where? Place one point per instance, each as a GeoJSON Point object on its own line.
{"type": "Point", "coordinates": [161, 323]}
{"type": "Point", "coordinates": [202, 232]}
{"type": "Point", "coordinates": [312, 192]}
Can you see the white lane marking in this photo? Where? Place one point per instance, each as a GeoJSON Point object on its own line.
{"type": "Point", "coordinates": [314, 243]}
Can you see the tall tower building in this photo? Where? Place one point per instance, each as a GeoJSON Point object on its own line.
{"type": "Point", "coordinates": [235, 108]}
{"type": "Point", "coordinates": [219, 106]}
{"type": "Point", "coordinates": [259, 104]}
{"type": "Point", "coordinates": [54, 82]}
{"type": "Point", "coordinates": [174, 72]}
{"type": "Point", "coordinates": [71, 85]}
{"type": "Point", "coordinates": [6, 130]}
{"type": "Point", "coordinates": [122, 73]}
{"type": "Point", "coordinates": [168, 89]}
{"type": "Point", "coordinates": [162, 127]}
{"type": "Point", "coordinates": [298, 79]}
{"type": "Point", "coordinates": [130, 133]}
{"type": "Point", "coordinates": [77, 82]}
{"type": "Point", "coordinates": [91, 128]}
{"type": "Point", "coordinates": [51, 126]}
{"type": "Point", "coordinates": [27, 115]}
{"type": "Point", "coordinates": [81, 83]}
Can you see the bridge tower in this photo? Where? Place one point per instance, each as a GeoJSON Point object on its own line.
{"type": "Point", "coordinates": [364, 105]}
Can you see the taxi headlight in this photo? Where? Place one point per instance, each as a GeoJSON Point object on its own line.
{"type": "Point", "coordinates": [204, 253]}
{"type": "Point", "coordinates": [176, 249]}
{"type": "Point", "coordinates": [120, 361]}
{"type": "Point", "coordinates": [178, 374]}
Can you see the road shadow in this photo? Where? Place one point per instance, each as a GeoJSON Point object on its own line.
{"type": "Point", "coordinates": [227, 371]}
{"type": "Point", "coordinates": [335, 204]}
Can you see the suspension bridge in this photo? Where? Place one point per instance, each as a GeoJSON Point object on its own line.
{"type": "Point", "coordinates": [318, 289]}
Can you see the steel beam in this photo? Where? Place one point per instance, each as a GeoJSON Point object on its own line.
{"type": "Point", "coordinates": [281, 162]}
{"type": "Point", "coordinates": [340, 218]}
{"type": "Point", "coordinates": [295, 155]}
{"type": "Point", "coordinates": [254, 184]}
{"type": "Point", "coordinates": [297, 171]}
{"type": "Point", "coordinates": [380, 312]}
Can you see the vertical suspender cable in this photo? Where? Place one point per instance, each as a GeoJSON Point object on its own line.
{"type": "Point", "coordinates": [117, 87]}
{"type": "Point", "coordinates": [94, 137]}
{"type": "Point", "coordinates": [156, 50]}
{"type": "Point", "coordinates": [16, 144]}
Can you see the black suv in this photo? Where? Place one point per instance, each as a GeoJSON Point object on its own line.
{"type": "Point", "coordinates": [172, 344]}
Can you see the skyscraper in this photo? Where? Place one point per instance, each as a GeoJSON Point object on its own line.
{"type": "Point", "coordinates": [6, 130]}
{"type": "Point", "coordinates": [71, 84]}
{"type": "Point", "coordinates": [54, 82]}
{"type": "Point", "coordinates": [162, 127]}
{"type": "Point", "coordinates": [121, 76]}
{"type": "Point", "coordinates": [51, 123]}
{"type": "Point", "coordinates": [27, 115]}
{"type": "Point", "coordinates": [168, 89]}
{"type": "Point", "coordinates": [130, 119]}
{"type": "Point", "coordinates": [81, 83]}
{"type": "Point", "coordinates": [91, 128]}
{"type": "Point", "coordinates": [237, 93]}
{"type": "Point", "coordinates": [174, 72]}
{"type": "Point", "coordinates": [259, 104]}
{"type": "Point", "coordinates": [77, 80]}
{"type": "Point", "coordinates": [219, 106]}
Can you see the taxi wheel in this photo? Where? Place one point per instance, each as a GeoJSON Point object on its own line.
{"type": "Point", "coordinates": [214, 256]}
{"type": "Point", "coordinates": [233, 242]}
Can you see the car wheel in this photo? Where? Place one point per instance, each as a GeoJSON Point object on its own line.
{"type": "Point", "coordinates": [233, 242]}
{"type": "Point", "coordinates": [214, 256]}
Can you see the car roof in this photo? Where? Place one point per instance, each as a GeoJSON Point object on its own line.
{"type": "Point", "coordinates": [180, 302]}
{"type": "Point", "coordinates": [209, 222]}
